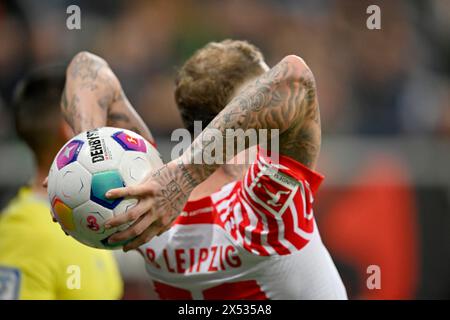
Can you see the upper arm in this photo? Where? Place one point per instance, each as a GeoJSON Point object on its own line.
{"type": "Point", "coordinates": [283, 99]}
{"type": "Point", "coordinates": [90, 87]}
{"type": "Point", "coordinates": [302, 140]}
{"type": "Point", "coordinates": [93, 97]}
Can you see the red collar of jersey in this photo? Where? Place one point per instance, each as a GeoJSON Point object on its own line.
{"type": "Point", "coordinates": [298, 170]}
{"type": "Point", "coordinates": [192, 205]}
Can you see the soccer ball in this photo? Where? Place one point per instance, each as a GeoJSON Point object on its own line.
{"type": "Point", "coordinates": [85, 168]}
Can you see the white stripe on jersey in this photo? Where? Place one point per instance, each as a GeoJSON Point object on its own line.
{"type": "Point", "coordinates": [198, 211]}
{"type": "Point", "coordinates": [297, 229]}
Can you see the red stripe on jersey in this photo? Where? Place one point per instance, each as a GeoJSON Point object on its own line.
{"type": "Point", "coordinates": [196, 211]}
{"type": "Point", "coordinates": [272, 238]}
{"type": "Point", "coordinates": [242, 290]}
{"type": "Point", "coordinates": [204, 217]}
{"type": "Point", "coordinates": [255, 235]}
{"type": "Point", "coordinates": [228, 196]}
{"type": "Point", "coordinates": [234, 230]}
{"type": "Point", "coordinates": [244, 223]}
{"type": "Point", "coordinates": [167, 292]}
{"type": "Point", "coordinates": [256, 240]}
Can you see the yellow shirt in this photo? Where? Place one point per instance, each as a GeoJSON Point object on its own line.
{"type": "Point", "coordinates": [38, 261]}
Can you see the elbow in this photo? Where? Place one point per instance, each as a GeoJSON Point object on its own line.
{"type": "Point", "coordinates": [84, 59]}
{"type": "Point", "coordinates": [299, 72]}
{"type": "Point", "coordinates": [87, 56]}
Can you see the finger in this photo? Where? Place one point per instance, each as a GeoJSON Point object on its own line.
{"type": "Point", "coordinates": [145, 237]}
{"type": "Point", "coordinates": [131, 232]}
{"type": "Point", "coordinates": [45, 182]}
{"type": "Point", "coordinates": [130, 191]}
{"type": "Point", "coordinates": [133, 214]}
{"type": "Point", "coordinates": [135, 230]}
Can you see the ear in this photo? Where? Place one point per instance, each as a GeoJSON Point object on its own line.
{"type": "Point", "coordinates": [65, 130]}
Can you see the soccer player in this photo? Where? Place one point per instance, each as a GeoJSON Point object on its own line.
{"type": "Point", "coordinates": [37, 261]}
{"type": "Point", "coordinates": [232, 234]}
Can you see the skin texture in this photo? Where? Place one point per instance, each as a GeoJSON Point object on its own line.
{"type": "Point", "coordinates": [283, 98]}
{"type": "Point", "coordinates": [93, 97]}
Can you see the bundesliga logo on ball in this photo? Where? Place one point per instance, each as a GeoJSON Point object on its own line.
{"type": "Point", "coordinates": [85, 168]}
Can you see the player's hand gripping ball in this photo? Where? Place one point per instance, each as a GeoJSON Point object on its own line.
{"type": "Point", "coordinates": [85, 168]}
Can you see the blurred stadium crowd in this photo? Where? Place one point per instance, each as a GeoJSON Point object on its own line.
{"type": "Point", "coordinates": [388, 85]}
{"type": "Point", "coordinates": [394, 81]}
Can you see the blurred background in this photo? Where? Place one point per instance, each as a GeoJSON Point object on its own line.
{"type": "Point", "coordinates": [384, 97]}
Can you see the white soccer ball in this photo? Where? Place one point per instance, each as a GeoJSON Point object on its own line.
{"type": "Point", "coordinates": [85, 168]}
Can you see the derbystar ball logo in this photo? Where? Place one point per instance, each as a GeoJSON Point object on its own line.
{"type": "Point", "coordinates": [96, 149]}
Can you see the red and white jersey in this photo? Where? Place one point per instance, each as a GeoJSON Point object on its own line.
{"type": "Point", "coordinates": [253, 239]}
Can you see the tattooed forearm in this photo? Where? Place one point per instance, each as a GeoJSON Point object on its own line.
{"type": "Point", "coordinates": [191, 183]}
{"type": "Point", "coordinates": [285, 99]}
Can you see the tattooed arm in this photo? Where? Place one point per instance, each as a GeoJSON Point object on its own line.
{"type": "Point", "coordinates": [93, 97]}
{"type": "Point", "coordinates": [284, 98]}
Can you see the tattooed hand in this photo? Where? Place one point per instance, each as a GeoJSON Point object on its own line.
{"type": "Point", "coordinates": [284, 98]}
{"type": "Point", "coordinates": [161, 198]}
{"type": "Point", "coordinates": [93, 97]}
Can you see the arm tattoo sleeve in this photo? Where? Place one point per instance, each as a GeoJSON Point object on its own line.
{"type": "Point", "coordinates": [93, 97]}
{"type": "Point", "coordinates": [284, 98]}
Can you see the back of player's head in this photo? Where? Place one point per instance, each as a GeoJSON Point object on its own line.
{"type": "Point", "coordinates": [36, 110]}
{"type": "Point", "coordinates": [207, 81]}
